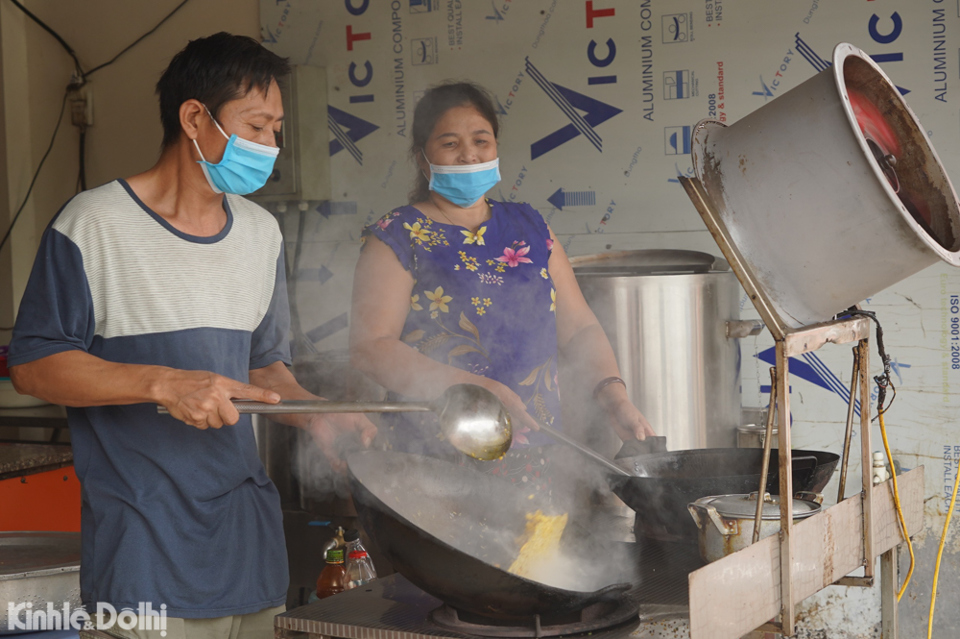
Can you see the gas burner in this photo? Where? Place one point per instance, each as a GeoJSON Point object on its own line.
{"type": "Point", "coordinates": [603, 614]}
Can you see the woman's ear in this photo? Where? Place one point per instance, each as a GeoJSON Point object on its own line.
{"type": "Point", "coordinates": [423, 163]}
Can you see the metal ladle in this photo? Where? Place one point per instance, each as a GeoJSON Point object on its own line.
{"type": "Point", "coordinates": [588, 452]}
{"type": "Point", "coordinates": [472, 418]}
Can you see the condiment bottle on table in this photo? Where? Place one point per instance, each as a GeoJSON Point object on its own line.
{"type": "Point", "coordinates": [333, 579]}
{"type": "Point", "coordinates": [359, 566]}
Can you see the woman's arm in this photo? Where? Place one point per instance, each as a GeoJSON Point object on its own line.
{"type": "Point", "coordinates": [584, 344]}
{"type": "Point", "coordinates": [381, 301]}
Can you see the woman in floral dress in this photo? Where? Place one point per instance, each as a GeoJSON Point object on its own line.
{"type": "Point", "coordinates": [456, 288]}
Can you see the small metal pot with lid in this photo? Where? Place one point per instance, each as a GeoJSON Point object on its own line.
{"type": "Point", "coordinates": [726, 522]}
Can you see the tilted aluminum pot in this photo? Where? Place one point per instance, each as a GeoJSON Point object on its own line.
{"type": "Point", "coordinates": [726, 522]}
{"type": "Point", "coordinates": [832, 192]}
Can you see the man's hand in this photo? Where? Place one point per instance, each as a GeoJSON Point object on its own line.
{"type": "Point", "coordinates": [202, 399]}
{"type": "Point", "coordinates": [328, 431]}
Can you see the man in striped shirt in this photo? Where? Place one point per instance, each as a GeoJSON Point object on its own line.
{"type": "Point", "coordinates": [168, 288]}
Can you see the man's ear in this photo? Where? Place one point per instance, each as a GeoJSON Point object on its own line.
{"type": "Point", "coordinates": [190, 113]}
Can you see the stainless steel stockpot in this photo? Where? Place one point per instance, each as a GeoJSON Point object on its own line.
{"type": "Point", "coordinates": [673, 321]}
{"type": "Point", "coordinates": [726, 522]}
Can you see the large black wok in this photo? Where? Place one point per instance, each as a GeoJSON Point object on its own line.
{"type": "Point", "coordinates": [453, 532]}
{"type": "Point", "coordinates": [667, 482]}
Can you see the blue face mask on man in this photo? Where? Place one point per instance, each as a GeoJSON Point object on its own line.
{"type": "Point", "coordinates": [464, 184]}
{"type": "Point", "coordinates": [244, 168]}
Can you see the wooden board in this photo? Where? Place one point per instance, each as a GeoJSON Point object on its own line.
{"type": "Point", "coordinates": [736, 594]}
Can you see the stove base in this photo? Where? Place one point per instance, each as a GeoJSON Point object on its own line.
{"type": "Point", "coordinates": [601, 615]}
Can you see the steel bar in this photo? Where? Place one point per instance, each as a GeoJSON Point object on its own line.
{"type": "Point", "coordinates": [739, 329]}
{"type": "Point", "coordinates": [291, 406]}
{"type": "Point", "coordinates": [814, 337]}
{"type": "Point", "coordinates": [788, 609]}
{"type": "Point", "coordinates": [765, 468]}
{"type": "Point", "coordinates": [592, 454]}
{"type": "Point", "coordinates": [866, 458]}
{"type": "Point", "coordinates": [721, 235]}
{"type": "Point", "coordinates": [889, 582]}
{"type": "Point", "coordinates": [845, 462]}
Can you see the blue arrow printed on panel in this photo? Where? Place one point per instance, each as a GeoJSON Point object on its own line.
{"type": "Point", "coordinates": [329, 208]}
{"type": "Point", "coordinates": [562, 198]}
{"type": "Point", "coordinates": [328, 328]}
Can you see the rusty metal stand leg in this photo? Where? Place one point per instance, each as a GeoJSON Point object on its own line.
{"type": "Point", "coordinates": [889, 582]}
{"type": "Point", "coordinates": [866, 460]}
{"type": "Point", "coordinates": [848, 433]}
{"type": "Point", "coordinates": [788, 609]}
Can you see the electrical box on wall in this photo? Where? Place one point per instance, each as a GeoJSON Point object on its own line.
{"type": "Point", "coordinates": [302, 170]}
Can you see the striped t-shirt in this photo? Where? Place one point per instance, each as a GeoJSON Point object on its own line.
{"type": "Point", "coordinates": [170, 514]}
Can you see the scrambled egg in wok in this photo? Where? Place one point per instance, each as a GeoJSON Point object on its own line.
{"type": "Point", "coordinates": [542, 544]}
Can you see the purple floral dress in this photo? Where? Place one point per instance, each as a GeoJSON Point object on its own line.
{"type": "Point", "coordinates": [483, 302]}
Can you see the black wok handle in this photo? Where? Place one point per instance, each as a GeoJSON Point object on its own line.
{"type": "Point", "coordinates": [806, 458]}
{"type": "Point", "coordinates": [796, 462]}
{"type": "Point", "coordinates": [811, 470]}
{"type": "Point", "coordinates": [636, 447]}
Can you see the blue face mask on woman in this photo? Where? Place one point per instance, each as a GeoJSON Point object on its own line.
{"type": "Point", "coordinates": [244, 168]}
{"type": "Point", "coordinates": [464, 184]}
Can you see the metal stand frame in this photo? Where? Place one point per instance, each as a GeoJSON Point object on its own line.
{"type": "Point", "coordinates": [791, 342]}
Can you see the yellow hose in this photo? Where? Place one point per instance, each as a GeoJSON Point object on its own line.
{"type": "Point", "coordinates": [943, 540]}
{"type": "Point", "coordinates": [896, 502]}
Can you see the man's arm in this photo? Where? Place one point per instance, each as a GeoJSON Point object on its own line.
{"type": "Point", "coordinates": [76, 378]}
{"type": "Point", "coordinates": [325, 428]}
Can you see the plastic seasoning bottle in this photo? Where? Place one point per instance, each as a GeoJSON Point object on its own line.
{"type": "Point", "coordinates": [359, 566]}
{"type": "Point", "coordinates": [333, 579]}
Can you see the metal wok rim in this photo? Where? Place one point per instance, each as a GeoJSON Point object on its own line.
{"type": "Point", "coordinates": [599, 593]}
{"type": "Point", "coordinates": [627, 463]}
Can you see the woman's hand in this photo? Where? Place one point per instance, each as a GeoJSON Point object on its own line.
{"type": "Point", "coordinates": [626, 419]}
{"type": "Point", "coordinates": [628, 422]}
{"type": "Point", "coordinates": [512, 402]}
{"type": "Point", "coordinates": [336, 433]}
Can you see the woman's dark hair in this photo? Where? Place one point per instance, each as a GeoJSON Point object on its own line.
{"type": "Point", "coordinates": [215, 70]}
{"type": "Point", "coordinates": [435, 102]}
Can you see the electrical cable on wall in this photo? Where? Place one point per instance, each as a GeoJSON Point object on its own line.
{"type": "Point", "coordinates": [78, 80]}
{"type": "Point", "coordinates": [36, 174]}
{"type": "Point", "coordinates": [884, 382]}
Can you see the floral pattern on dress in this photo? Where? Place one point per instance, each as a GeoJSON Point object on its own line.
{"type": "Point", "coordinates": [515, 255]}
{"type": "Point", "coordinates": [474, 238]}
{"type": "Point", "coordinates": [481, 305]}
{"type": "Point", "coordinates": [420, 230]}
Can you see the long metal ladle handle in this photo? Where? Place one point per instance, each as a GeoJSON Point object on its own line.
{"type": "Point", "coordinates": [290, 406]}
{"type": "Point", "coordinates": [592, 454]}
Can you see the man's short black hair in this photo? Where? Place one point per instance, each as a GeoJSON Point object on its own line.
{"type": "Point", "coordinates": [215, 70]}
